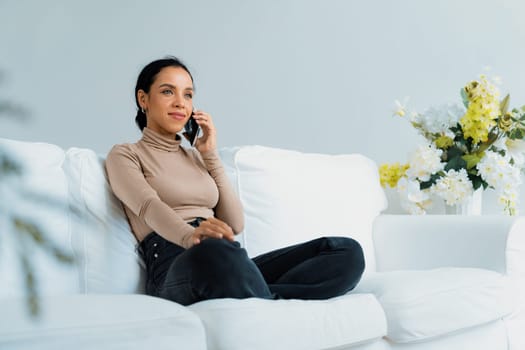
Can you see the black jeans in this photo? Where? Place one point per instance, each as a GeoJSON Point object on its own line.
{"type": "Point", "coordinates": [216, 268]}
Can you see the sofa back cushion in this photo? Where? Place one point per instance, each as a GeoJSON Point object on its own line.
{"type": "Point", "coordinates": [291, 197]}
{"type": "Point", "coordinates": [40, 197]}
{"type": "Point", "coordinates": [103, 238]}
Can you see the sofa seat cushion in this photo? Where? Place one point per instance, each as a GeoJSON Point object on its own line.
{"type": "Point", "coordinates": [100, 321]}
{"type": "Point", "coordinates": [429, 303]}
{"type": "Point", "coordinates": [291, 324]}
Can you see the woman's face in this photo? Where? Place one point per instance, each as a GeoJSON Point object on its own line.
{"type": "Point", "coordinates": [169, 102]}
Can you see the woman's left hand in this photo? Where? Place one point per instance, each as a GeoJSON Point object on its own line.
{"type": "Point", "coordinates": [208, 140]}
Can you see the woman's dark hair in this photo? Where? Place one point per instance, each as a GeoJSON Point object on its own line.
{"type": "Point", "coordinates": [146, 78]}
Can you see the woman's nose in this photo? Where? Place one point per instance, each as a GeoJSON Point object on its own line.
{"type": "Point", "coordinates": [178, 100]}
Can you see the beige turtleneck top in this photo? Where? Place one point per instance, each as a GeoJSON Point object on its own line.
{"type": "Point", "coordinates": [163, 186]}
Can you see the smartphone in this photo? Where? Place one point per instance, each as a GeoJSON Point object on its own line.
{"type": "Point", "coordinates": [192, 130]}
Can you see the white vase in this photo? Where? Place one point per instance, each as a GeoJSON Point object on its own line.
{"type": "Point", "coordinates": [471, 205]}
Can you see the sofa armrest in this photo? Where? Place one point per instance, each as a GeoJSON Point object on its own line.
{"type": "Point", "coordinates": [406, 242]}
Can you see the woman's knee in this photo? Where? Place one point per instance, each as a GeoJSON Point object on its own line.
{"type": "Point", "coordinates": [343, 242]}
{"type": "Point", "coordinates": [351, 249]}
{"type": "Point", "coordinates": [215, 253]}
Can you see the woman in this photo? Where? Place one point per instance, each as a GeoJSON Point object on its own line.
{"type": "Point", "coordinates": [184, 212]}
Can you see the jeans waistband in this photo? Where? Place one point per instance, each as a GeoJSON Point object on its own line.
{"type": "Point", "coordinates": [150, 237]}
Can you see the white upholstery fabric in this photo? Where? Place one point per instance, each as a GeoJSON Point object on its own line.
{"type": "Point", "coordinates": [227, 155]}
{"type": "Point", "coordinates": [491, 336]}
{"type": "Point", "coordinates": [291, 324]}
{"type": "Point", "coordinates": [38, 196]}
{"type": "Point", "coordinates": [515, 333]}
{"type": "Point", "coordinates": [101, 322]}
{"type": "Point", "coordinates": [425, 304]}
{"type": "Point", "coordinates": [494, 243]}
{"type": "Point", "coordinates": [515, 255]}
{"type": "Point", "coordinates": [103, 239]}
{"type": "Point", "coordinates": [430, 241]}
{"type": "Point", "coordinates": [292, 197]}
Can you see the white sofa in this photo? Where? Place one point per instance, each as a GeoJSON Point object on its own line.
{"type": "Point", "coordinates": [431, 282]}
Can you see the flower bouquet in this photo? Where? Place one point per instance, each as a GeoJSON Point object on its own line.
{"type": "Point", "coordinates": [474, 146]}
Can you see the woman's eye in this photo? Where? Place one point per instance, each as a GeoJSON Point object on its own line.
{"type": "Point", "coordinates": [189, 96]}
{"type": "Point", "coordinates": [167, 92]}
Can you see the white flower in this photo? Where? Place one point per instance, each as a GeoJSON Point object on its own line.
{"type": "Point", "coordinates": [500, 144]}
{"type": "Point", "coordinates": [454, 187]}
{"type": "Point", "coordinates": [508, 198]}
{"type": "Point", "coordinates": [504, 177]}
{"type": "Point", "coordinates": [496, 169]}
{"type": "Point", "coordinates": [412, 198]}
{"type": "Point", "coordinates": [516, 150]}
{"type": "Point", "coordinates": [425, 161]}
{"type": "Point", "coordinates": [439, 120]}
{"type": "Point", "coordinates": [401, 107]}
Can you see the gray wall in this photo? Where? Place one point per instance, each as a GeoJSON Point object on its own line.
{"type": "Point", "coordinates": [315, 76]}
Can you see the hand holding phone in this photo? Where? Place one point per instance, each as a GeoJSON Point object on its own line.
{"type": "Point", "coordinates": [192, 130]}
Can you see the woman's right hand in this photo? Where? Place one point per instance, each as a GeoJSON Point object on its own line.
{"type": "Point", "coordinates": [211, 228]}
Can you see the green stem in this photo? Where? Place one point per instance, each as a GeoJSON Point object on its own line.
{"type": "Point", "coordinates": [492, 139]}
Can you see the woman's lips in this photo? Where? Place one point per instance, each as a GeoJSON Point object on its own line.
{"type": "Point", "coordinates": [178, 116]}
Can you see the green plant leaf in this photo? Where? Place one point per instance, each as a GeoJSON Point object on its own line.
{"type": "Point", "coordinates": [30, 284]}
{"type": "Point", "coordinates": [13, 111]}
{"type": "Point", "coordinates": [516, 134]}
{"type": "Point", "coordinates": [472, 160]}
{"type": "Point", "coordinates": [9, 166]}
{"type": "Point", "coordinates": [453, 152]}
{"type": "Point", "coordinates": [504, 104]}
{"type": "Point", "coordinates": [427, 184]}
{"type": "Point", "coordinates": [457, 163]}
{"type": "Point", "coordinates": [478, 182]}
{"type": "Point", "coordinates": [61, 256]}
{"type": "Point", "coordinates": [455, 129]}
{"type": "Point", "coordinates": [39, 238]}
{"type": "Point", "coordinates": [464, 97]}
{"type": "Point", "coordinates": [30, 228]}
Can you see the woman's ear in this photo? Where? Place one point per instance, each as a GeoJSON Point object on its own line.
{"type": "Point", "coordinates": [143, 100]}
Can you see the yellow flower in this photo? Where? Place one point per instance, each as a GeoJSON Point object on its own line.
{"type": "Point", "coordinates": [481, 89]}
{"type": "Point", "coordinates": [505, 122]}
{"type": "Point", "coordinates": [444, 142]}
{"type": "Point", "coordinates": [389, 174]}
{"type": "Point", "coordinates": [482, 112]}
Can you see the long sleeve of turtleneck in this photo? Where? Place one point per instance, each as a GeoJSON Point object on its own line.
{"type": "Point", "coordinates": [163, 186]}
